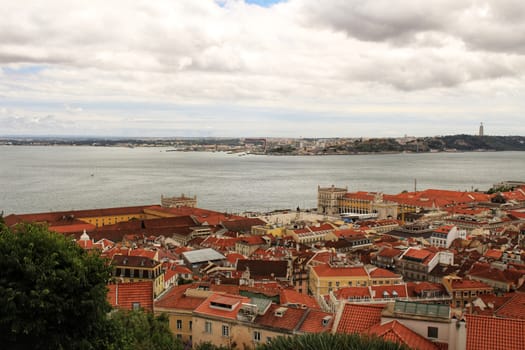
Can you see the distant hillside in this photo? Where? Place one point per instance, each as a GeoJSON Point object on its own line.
{"type": "Point", "coordinates": [461, 143]}
{"type": "Point", "coordinates": [473, 143]}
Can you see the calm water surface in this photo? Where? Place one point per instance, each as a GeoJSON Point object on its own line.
{"type": "Point", "coordinates": [35, 179]}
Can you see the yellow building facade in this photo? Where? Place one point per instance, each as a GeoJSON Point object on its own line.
{"type": "Point", "coordinates": [268, 230]}
{"type": "Point", "coordinates": [326, 278]}
{"type": "Point", "coordinates": [136, 269]}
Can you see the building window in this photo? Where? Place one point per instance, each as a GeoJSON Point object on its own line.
{"type": "Point", "coordinates": [179, 336]}
{"type": "Point", "coordinates": [179, 324]}
{"type": "Point", "coordinates": [256, 336]}
{"type": "Point", "coordinates": [207, 327]}
{"type": "Point", "coordinates": [432, 332]}
{"type": "Point", "coordinates": [135, 306]}
{"type": "Point", "coordinates": [191, 325]}
{"type": "Point", "coordinates": [225, 331]}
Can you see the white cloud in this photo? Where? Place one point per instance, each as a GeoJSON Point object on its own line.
{"type": "Point", "coordinates": [344, 58]}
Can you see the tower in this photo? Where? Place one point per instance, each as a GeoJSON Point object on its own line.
{"type": "Point", "coordinates": [481, 129]}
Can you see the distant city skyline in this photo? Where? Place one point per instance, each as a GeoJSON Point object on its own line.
{"type": "Point", "coordinates": [262, 68]}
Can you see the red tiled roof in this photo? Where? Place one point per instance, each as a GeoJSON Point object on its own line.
{"type": "Point", "coordinates": [400, 289]}
{"type": "Point", "coordinates": [241, 224]}
{"type": "Point", "coordinates": [226, 288]}
{"type": "Point", "coordinates": [382, 273]}
{"type": "Point", "coordinates": [326, 270]}
{"type": "Point", "coordinates": [323, 256]}
{"type": "Point", "coordinates": [290, 296]}
{"type": "Point", "coordinates": [389, 252]}
{"type": "Point", "coordinates": [289, 320]}
{"type": "Point", "coordinates": [78, 226]}
{"type": "Point", "coordinates": [317, 321]}
{"type": "Point", "coordinates": [518, 213]}
{"type": "Point", "coordinates": [420, 254]}
{"type": "Point", "coordinates": [469, 284]}
{"type": "Point", "coordinates": [361, 195]}
{"type": "Point", "coordinates": [252, 240]}
{"type": "Point", "coordinates": [352, 292]}
{"type": "Point", "coordinates": [493, 274]}
{"type": "Point", "coordinates": [64, 216]}
{"type": "Point", "coordinates": [485, 332]}
{"type": "Point", "coordinates": [493, 254]}
{"type": "Point", "coordinates": [123, 295]}
{"type": "Point", "coordinates": [356, 318]}
{"type": "Point", "coordinates": [323, 227]}
{"type": "Point", "coordinates": [444, 229]}
{"type": "Point", "coordinates": [437, 198]}
{"type": "Point", "coordinates": [419, 287]}
{"type": "Point", "coordinates": [176, 298]}
{"type": "Point", "coordinates": [233, 257]}
{"type": "Point", "coordinates": [143, 253]}
{"type": "Point", "coordinates": [514, 308]}
{"type": "Point", "coordinates": [349, 232]}
{"type": "Point", "coordinates": [398, 333]}
{"type": "Point", "coordinates": [206, 309]}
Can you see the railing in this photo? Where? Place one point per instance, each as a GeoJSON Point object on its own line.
{"type": "Point", "coordinates": [335, 303]}
{"type": "Point", "coordinates": [324, 305]}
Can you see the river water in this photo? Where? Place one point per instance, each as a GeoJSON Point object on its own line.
{"type": "Point", "coordinates": [36, 179]}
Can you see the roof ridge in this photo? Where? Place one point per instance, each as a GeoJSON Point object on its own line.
{"type": "Point", "coordinates": [301, 320]}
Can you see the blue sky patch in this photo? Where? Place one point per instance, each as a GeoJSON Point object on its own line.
{"type": "Point", "coordinates": [24, 70]}
{"type": "Point", "coordinates": [263, 3]}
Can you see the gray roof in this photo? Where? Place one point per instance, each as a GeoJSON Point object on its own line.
{"type": "Point", "coordinates": [202, 255]}
{"type": "Point", "coordinates": [262, 304]}
{"type": "Point", "coordinates": [421, 309]}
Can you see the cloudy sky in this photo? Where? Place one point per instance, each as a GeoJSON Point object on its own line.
{"type": "Point", "coordinates": [296, 68]}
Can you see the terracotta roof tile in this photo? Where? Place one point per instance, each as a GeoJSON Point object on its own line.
{"type": "Point", "coordinates": [352, 292]}
{"type": "Point", "coordinates": [356, 318]}
{"type": "Point", "coordinates": [328, 271]}
{"type": "Point", "coordinates": [396, 290]}
{"type": "Point", "coordinates": [484, 332]}
{"type": "Point", "coordinates": [514, 308]}
{"type": "Point", "coordinates": [493, 254]}
{"type": "Point", "coordinates": [288, 321]}
{"type": "Point", "coordinates": [233, 257]}
{"type": "Point", "coordinates": [383, 273]}
{"type": "Point", "coordinates": [419, 254]}
{"type": "Point", "coordinates": [176, 298]}
{"type": "Point", "coordinates": [317, 321]}
{"type": "Point", "coordinates": [398, 333]}
{"type": "Point", "coordinates": [361, 195]}
{"type": "Point", "coordinates": [235, 301]}
{"type": "Point", "coordinates": [469, 284]}
{"type": "Point", "coordinates": [290, 296]}
{"type": "Point", "coordinates": [123, 295]}
{"type": "Point", "coordinates": [389, 252]}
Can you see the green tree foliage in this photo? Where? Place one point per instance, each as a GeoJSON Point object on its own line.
{"type": "Point", "coordinates": [52, 293]}
{"type": "Point", "coordinates": [326, 341]}
{"type": "Point", "coordinates": [143, 331]}
{"type": "Point", "coordinates": [210, 346]}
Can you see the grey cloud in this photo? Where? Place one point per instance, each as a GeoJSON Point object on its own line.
{"type": "Point", "coordinates": [496, 25]}
{"type": "Point", "coordinates": [379, 20]}
{"type": "Point", "coordinates": [433, 70]}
